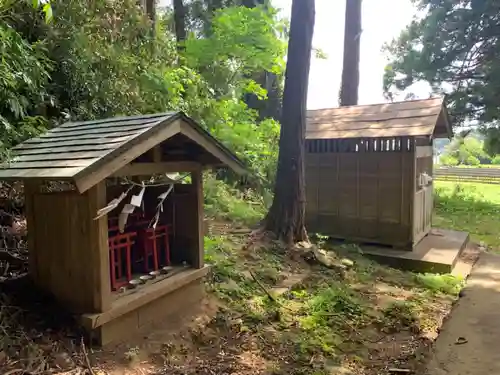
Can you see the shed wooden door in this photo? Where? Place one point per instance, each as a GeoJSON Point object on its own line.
{"type": "Point", "coordinates": [423, 204]}
{"type": "Point", "coordinates": [424, 195]}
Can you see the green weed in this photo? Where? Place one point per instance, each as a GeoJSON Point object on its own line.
{"type": "Point", "coordinates": [447, 284]}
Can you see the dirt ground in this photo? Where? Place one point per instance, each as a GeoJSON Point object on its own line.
{"type": "Point", "coordinates": [469, 340]}
{"type": "Point", "coordinates": [389, 321]}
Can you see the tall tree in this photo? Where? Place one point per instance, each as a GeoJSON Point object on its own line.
{"type": "Point", "coordinates": [151, 12]}
{"type": "Point", "coordinates": [286, 217]}
{"type": "Point", "coordinates": [149, 7]}
{"type": "Point", "coordinates": [352, 41]}
{"type": "Point", "coordinates": [180, 23]}
{"type": "Point", "coordinates": [454, 47]}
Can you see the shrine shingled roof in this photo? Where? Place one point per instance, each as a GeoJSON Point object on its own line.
{"type": "Point", "coordinates": [77, 149]}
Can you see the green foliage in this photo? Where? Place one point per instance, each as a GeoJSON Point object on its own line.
{"type": "Point", "coordinates": [242, 41]}
{"type": "Point", "coordinates": [469, 207]}
{"type": "Point", "coordinates": [46, 7]}
{"type": "Point", "coordinates": [491, 138]}
{"type": "Point", "coordinates": [468, 151]}
{"type": "Point", "coordinates": [496, 160]}
{"type": "Point", "coordinates": [225, 202]}
{"type": "Point", "coordinates": [332, 303]}
{"type": "Point", "coordinates": [447, 284]}
{"type": "Point", "coordinates": [24, 72]}
{"type": "Point", "coordinates": [448, 160]}
{"type": "Point", "coordinates": [471, 160]}
{"type": "Point", "coordinates": [102, 60]}
{"type": "Point", "coordinates": [453, 46]}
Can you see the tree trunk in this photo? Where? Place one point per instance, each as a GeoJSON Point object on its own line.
{"type": "Point", "coordinates": [286, 218]}
{"type": "Point", "coordinates": [149, 7]}
{"type": "Point", "coordinates": [212, 7]}
{"type": "Point", "coordinates": [180, 24]}
{"type": "Point", "coordinates": [352, 38]}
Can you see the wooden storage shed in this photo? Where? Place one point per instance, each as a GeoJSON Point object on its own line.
{"type": "Point", "coordinates": [369, 170]}
{"type": "Point", "coordinates": [119, 269]}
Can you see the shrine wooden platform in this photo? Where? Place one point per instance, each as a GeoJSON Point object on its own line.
{"type": "Point", "coordinates": [158, 300]}
{"type": "Point", "coordinates": [437, 252]}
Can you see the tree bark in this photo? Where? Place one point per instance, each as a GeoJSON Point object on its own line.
{"type": "Point", "coordinates": [149, 7]}
{"type": "Point", "coordinates": [180, 24]}
{"type": "Point", "coordinates": [352, 39]}
{"type": "Point", "coordinates": [286, 217]}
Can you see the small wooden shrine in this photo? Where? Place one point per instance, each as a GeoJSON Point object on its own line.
{"type": "Point", "coordinates": [369, 170]}
{"type": "Point", "coordinates": [118, 239]}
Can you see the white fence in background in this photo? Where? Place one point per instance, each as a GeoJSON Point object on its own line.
{"type": "Point", "coordinates": [480, 175]}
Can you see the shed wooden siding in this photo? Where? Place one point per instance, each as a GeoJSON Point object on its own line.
{"type": "Point", "coordinates": [69, 248]}
{"type": "Point", "coordinates": [361, 189]}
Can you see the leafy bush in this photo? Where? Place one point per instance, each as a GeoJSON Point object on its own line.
{"type": "Point", "coordinates": [468, 151]}
{"type": "Point", "coordinates": [471, 160]}
{"type": "Point", "coordinates": [24, 73]}
{"type": "Point", "coordinates": [225, 202]}
{"type": "Point", "coordinates": [102, 60]}
{"type": "Point", "coordinates": [496, 160]}
{"type": "Point", "coordinates": [448, 160]}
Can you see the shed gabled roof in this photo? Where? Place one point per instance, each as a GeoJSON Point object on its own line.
{"type": "Point", "coordinates": [401, 119]}
{"type": "Point", "coordinates": [76, 150]}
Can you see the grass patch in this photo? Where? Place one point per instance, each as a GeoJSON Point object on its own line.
{"type": "Point", "coordinates": [469, 207]}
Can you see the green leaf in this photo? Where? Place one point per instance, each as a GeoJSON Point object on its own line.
{"type": "Point", "coordinates": [47, 8]}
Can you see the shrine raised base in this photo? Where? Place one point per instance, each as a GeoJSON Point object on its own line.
{"type": "Point", "coordinates": [437, 252]}
{"type": "Point", "coordinates": [167, 301]}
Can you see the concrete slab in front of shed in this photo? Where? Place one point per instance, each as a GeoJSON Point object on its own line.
{"type": "Point", "coordinates": [437, 252]}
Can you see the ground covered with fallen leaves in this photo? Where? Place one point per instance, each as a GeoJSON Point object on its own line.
{"type": "Point", "coordinates": [268, 310]}
{"type": "Point", "coordinates": [276, 311]}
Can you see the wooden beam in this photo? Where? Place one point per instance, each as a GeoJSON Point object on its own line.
{"type": "Point", "coordinates": [148, 169]}
{"type": "Point", "coordinates": [39, 174]}
{"type": "Point", "coordinates": [31, 189]}
{"type": "Point", "coordinates": [198, 227]}
{"type": "Point", "coordinates": [98, 251]}
{"type": "Point", "coordinates": [157, 153]}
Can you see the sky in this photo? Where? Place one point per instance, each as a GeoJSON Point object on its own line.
{"type": "Point", "coordinates": [382, 20]}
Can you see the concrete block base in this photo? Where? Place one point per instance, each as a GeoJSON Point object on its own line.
{"type": "Point", "coordinates": [437, 252]}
